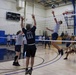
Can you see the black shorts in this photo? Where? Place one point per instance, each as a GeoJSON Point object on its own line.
{"type": "Point", "coordinates": [68, 44]}
{"type": "Point", "coordinates": [47, 42]}
{"type": "Point", "coordinates": [18, 48]}
{"type": "Point", "coordinates": [8, 41]}
{"type": "Point", "coordinates": [31, 50]}
{"type": "Point", "coordinates": [54, 36]}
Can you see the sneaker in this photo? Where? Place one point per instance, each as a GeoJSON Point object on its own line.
{"type": "Point", "coordinates": [30, 71]}
{"type": "Point", "coordinates": [65, 58]}
{"type": "Point", "coordinates": [26, 71]}
{"type": "Point", "coordinates": [16, 64]}
{"type": "Point", "coordinates": [31, 68]}
{"type": "Point", "coordinates": [61, 52]}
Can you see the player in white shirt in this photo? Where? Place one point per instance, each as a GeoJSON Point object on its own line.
{"type": "Point", "coordinates": [43, 38]}
{"type": "Point", "coordinates": [8, 39]}
{"type": "Point", "coordinates": [13, 39]}
{"type": "Point", "coordinates": [55, 34]}
{"type": "Point", "coordinates": [40, 38]}
{"type": "Point", "coordinates": [19, 41]}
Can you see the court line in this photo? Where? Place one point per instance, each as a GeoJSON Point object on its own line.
{"type": "Point", "coordinates": [34, 66]}
{"type": "Point", "coordinates": [37, 66]}
{"type": "Point", "coordinates": [24, 68]}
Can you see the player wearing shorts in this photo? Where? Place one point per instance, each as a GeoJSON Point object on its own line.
{"type": "Point", "coordinates": [68, 38]}
{"type": "Point", "coordinates": [8, 39]}
{"type": "Point", "coordinates": [72, 48]}
{"type": "Point", "coordinates": [19, 41]}
{"type": "Point", "coordinates": [31, 47]}
{"type": "Point", "coordinates": [55, 34]}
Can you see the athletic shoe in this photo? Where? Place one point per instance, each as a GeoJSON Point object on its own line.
{"type": "Point", "coordinates": [26, 71]}
{"type": "Point", "coordinates": [61, 52]}
{"type": "Point", "coordinates": [30, 71]}
{"type": "Point", "coordinates": [65, 58]}
{"type": "Point", "coordinates": [16, 64]}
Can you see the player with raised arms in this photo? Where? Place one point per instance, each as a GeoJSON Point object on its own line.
{"type": "Point", "coordinates": [31, 47]}
{"type": "Point", "coordinates": [55, 34]}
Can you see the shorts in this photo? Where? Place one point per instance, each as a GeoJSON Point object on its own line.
{"type": "Point", "coordinates": [31, 51]}
{"type": "Point", "coordinates": [68, 44]}
{"type": "Point", "coordinates": [47, 42]}
{"type": "Point", "coordinates": [18, 48]}
{"type": "Point", "coordinates": [8, 41]}
{"type": "Point", "coordinates": [54, 36]}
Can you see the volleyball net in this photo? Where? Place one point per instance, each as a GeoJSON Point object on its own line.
{"type": "Point", "coordinates": [7, 52]}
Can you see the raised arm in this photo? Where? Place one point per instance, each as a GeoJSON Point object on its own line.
{"type": "Point", "coordinates": [49, 29]}
{"type": "Point", "coordinates": [22, 25]}
{"type": "Point", "coordinates": [34, 19]}
{"type": "Point", "coordinates": [54, 17]}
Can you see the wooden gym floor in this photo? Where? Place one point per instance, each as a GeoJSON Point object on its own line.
{"type": "Point", "coordinates": [47, 62]}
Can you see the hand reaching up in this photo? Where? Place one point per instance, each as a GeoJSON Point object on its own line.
{"type": "Point", "coordinates": [22, 18]}
{"type": "Point", "coordinates": [33, 16]}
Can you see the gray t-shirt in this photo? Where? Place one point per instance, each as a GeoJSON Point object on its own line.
{"type": "Point", "coordinates": [19, 39]}
{"type": "Point", "coordinates": [56, 28]}
{"type": "Point", "coordinates": [24, 40]}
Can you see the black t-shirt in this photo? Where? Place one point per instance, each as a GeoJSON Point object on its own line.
{"type": "Point", "coordinates": [30, 35]}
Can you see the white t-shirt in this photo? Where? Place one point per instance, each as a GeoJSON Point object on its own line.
{"type": "Point", "coordinates": [24, 40]}
{"type": "Point", "coordinates": [8, 38]}
{"type": "Point", "coordinates": [43, 38]}
{"type": "Point", "coordinates": [40, 37]}
{"type": "Point", "coordinates": [19, 39]}
{"type": "Point", "coordinates": [56, 28]}
{"type": "Point", "coordinates": [13, 36]}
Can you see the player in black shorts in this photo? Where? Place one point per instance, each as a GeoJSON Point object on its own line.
{"type": "Point", "coordinates": [55, 34]}
{"type": "Point", "coordinates": [19, 41]}
{"type": "Point", "coordinates": [72, 48]}
{"type": "Point", "coordinates": [68, 38]}
{"type": "Point", "coordinates": [30, 37]}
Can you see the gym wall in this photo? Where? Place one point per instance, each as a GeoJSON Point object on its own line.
{"type": "Point", "coordinates": [40, 12]}
{"type": "Point", "coordinates": [11, 27]}
{"type": "Point", "coordinates": [58, 12]}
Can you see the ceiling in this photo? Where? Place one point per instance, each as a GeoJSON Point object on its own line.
{"type": "Point", "coordinates": [54, 3]}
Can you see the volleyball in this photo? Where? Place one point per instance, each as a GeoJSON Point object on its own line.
{"type": "Point", "coordinates": [53, 6]}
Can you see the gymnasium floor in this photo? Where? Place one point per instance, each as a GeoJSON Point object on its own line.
{"type": "Point", "coordinates": [47, 62]}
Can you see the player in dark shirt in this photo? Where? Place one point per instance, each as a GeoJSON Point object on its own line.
{"type": "Point", "coordinates": [31, 47]}
{"type": "Point", "coordinates": [68, 38]}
